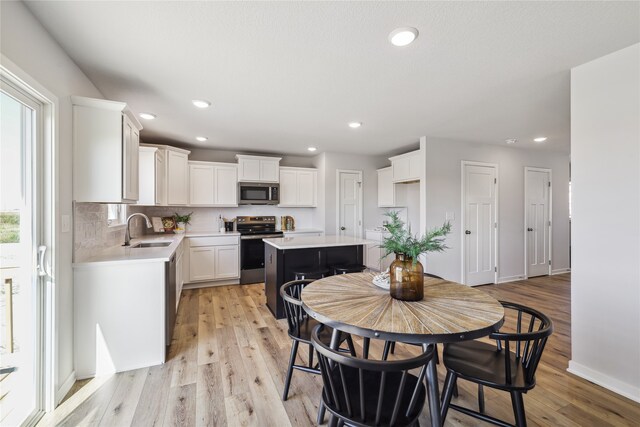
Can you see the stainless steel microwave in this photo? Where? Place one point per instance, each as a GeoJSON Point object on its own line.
{"type": "Point", "coordinates": [256, 193]}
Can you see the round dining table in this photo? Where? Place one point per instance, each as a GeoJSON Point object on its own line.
{"type": "Point", "coordinates": [449, 312]}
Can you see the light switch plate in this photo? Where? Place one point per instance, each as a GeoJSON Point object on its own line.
{"type": "Point", "coordinates": [65, 225]}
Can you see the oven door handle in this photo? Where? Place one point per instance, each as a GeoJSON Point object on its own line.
{"type": "Point", "coordinates": [261, 236]}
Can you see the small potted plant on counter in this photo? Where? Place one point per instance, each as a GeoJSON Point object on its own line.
{"type": "Point", "coordinates": [181, 222]}
{"type": "Point", "coordinates": [406, 281]}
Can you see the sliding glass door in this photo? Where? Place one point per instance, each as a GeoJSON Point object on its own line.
{"type": "Point", "coordinates": [21, 285]}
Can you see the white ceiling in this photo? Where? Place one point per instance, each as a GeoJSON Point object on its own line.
{"type": "Point", "coordinates": [284, 76]}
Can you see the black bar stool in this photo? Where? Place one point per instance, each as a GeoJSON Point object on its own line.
{"type": "Point", "coordinates": [346, 269]}
{"type": "Point", "coordinates": [311, 275]}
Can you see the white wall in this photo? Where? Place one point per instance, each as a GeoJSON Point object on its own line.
{"type": "Point", "coordinates": [605, 153]}
{"type": "Point", "coordinates": [443, 194]}
{"type": "Point", "coordinates": [330, 163]}
{"type": "Point", "coordinates": [26, 43]}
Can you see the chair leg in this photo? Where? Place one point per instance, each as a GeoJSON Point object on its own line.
{"type": "Point", "coordinates": [393, 347]}
{"type": "Point", "coordinates": [518, 408]}
{"type": "Point", "coordinates": [481, 398]}
{"type": "Point", "coordinates": [321, 410]}
{"type": "Point", "coordinates": [333, 421]}
{"type": "Point", "coordinates": [292, 360]}
{"type": "Point", "coordinates": [385, 352]}
{"type": "Point", "coordinates": [455, 389]}
{"type": "Point", "coordinates": [352, 349]}
{"type": "Point", "coordinates": [450, 382]}
{"type": "Point", "coordinates": [311, 356]}
{"type": "Point", "coordinates": [365, 347]}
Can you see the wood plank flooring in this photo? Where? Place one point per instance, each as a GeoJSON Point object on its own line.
{"type": "Point", "coordinates": [229, 355]}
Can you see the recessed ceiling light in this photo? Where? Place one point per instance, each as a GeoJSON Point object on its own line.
{"type": "Point", "coordinates": [540, 139]}
{"type": "Point", "coordinates": [147, 116]}
{"type": "Point", "coordinates": [511, 141]}
{"type": "Point", "coordinates": [200, 103]}
{"type": "Point", "coordinates": [201, 138]}
{"type": "Point", "coordinates": [312, 148]}
{"type": "Point", "coordinates": [355, 125]}
{"type": "Point", "coordinates": [403, 36]}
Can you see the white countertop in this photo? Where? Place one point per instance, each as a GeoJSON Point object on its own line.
{"type": "Point", "coordinates": [303, 230]}
{"type": "Point", "coordinates": [126, 254]}
{"type": "Point", "coordinates": [303, 242]}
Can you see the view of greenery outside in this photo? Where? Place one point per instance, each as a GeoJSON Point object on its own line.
{"type": "Point", "coordinates": [9, 227]}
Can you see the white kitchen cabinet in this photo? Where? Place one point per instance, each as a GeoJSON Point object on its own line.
{"type": "Point", "coordinates": [170, 179]}
{"type": "Point", "coordinates": [298, 187]}
{"type": "Point", "coordinates": [225, 184]}
{"type": "Point", "coordinates": [258, 168]}
{"type": "Point", "coordinates": [106, 135]}
{"type": "Point", "coordinates": [406, 167]}
{"type": "Point", "coordinates": [214, 258]}
{"type": "Point", "coordinates": [374, 253]}
{"type": "Point", "coordinates": [179, 272]}
{"type": "Point", "coordinates": [201, 190]}
{"type": "Point", "coordinates": [386, 188]}
{"type": "Point", "coordinates": [147, 172]}
{"type": "Point", "coordinates": [213, 184]}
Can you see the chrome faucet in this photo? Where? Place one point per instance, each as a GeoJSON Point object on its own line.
{"type": "Point", "coordinates": [127, 234]}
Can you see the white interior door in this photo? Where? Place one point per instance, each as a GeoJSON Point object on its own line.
{"type": "Point", "coordinates": [480, 223]}
{"type": "Point", "coordinates": [349, 221]}
{"type": "Point", "coordinates": [537, 221]}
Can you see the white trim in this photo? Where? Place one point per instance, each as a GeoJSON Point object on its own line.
{"type": "Point", "coordinates": [48, 160]}
{"type": "Point", "coordinates": [210, 284]}
{"type": "Point", "coordinates": [549, 211]}
{"type": "Point", "coordinates": [624, 389]}
{"type": "Point", "coordinates": [359, 230]}
{"type": "Point", "coordinates": [496, 247]}
{"type": "Point", "coordinates": [560, 270]}
{"type": "Point", "coordinates": [65, 387]}
{"type": "Point", "coordinates": [508, 279]}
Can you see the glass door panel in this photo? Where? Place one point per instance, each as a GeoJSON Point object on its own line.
{"type": "Point", "coordinates": [19, 308]}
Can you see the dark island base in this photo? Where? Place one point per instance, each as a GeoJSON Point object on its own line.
{"type": "Point", "coordinates": [280, 265]}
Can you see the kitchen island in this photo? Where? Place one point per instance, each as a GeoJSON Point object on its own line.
{"type": "Point", "coordinates": [285, 256]}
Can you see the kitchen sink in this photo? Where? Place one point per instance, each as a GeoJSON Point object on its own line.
{"type": "Point", "coordinates": [151, 245]}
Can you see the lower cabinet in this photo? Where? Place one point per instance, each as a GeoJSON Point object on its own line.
{"type": "Point", "coordinates": [214, 258]}
{"type": "Point", "coordinates": [373, 259]}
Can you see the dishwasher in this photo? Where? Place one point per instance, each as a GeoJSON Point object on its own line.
{"type": "Point", "coordinates": [170, 298]}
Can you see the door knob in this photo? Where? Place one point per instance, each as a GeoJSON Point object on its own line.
{"type": "Point", "coordinates": [529, 229]}
{"type": "Point", "coordinates": [467, 232]}
{"type": "Point", "coordinates": [342, 228]}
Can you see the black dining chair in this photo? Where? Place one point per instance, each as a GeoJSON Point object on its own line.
{"type": "Point", "coordinates": [300, 325]}
{"type": "Point", "coordinates": [509, 365]}
{"type": "Point", "coordinates": [362, 392]}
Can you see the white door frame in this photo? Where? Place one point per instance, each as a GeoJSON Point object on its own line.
{"type": "Point", "coordinates": [496, 246]}
{"type": "Point", "coordinates": [549, 208]}
{"type": "Point", "coordinates": [47, 197]}
{"type": "Point", "coordinates": [359, 172]}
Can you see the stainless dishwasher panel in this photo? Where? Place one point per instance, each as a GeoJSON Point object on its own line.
{"type": "Point", "coordinates": [170, 298]}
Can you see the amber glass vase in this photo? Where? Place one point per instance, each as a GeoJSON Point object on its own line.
{"type": "Point", "coordinates": [406, 279]}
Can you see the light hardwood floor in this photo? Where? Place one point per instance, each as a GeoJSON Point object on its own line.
{"type": "Point", "coordinates": [227, 362]}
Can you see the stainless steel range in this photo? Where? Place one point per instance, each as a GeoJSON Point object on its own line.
{"type": "Point", "coordinates": [252, 230]}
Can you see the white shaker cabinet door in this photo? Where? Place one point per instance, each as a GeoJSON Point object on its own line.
{"type": "Point", "coordinates": [288, 187]}
{"type": "Point", "coordinates": [269, 170]}
{"type": "Point", "coordinates": [177, 178]}
{"type": "Point", "coordinates": [201, 185]}
{"type": "Point", "coordinates": [226, 262]}
{"type": "Point", "coordinates": [202, 263]}
{"type": "Point", "coordinates": [249, 170]}
{"type": "Point", "coordinates": [225, 183]}
{"type": "Point", "coordinates": [306, 188]}
{"type": "Point", "coordinates": [386, 188]}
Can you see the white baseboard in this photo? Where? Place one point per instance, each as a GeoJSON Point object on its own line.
{"type": "Point", "coordinates": [198, 285]}
{"type": "Point", "coordinates": [627, 390]}
{"type": "Point", "coordinates": [65, 387]}
{"type": "Point", "coordinates": [508, 279]}
{"type": "Point", "coordinates": [560, 271]}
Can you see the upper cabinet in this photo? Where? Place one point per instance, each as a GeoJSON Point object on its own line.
{"type": "Point", "coordinates": [298, 187]}
{"type": "Point", "coordinates": [386, 188]}
{"type": "Point", "coordinates": [406, 167]}
{"type": "Point", "coordinates": [164, 178]}
{"type": "Point", "coordinates": [213, 184]}
{"type": "Point", "coordinates": [106, 136]}
{"type": "Point", "coordinates": [258, 168]}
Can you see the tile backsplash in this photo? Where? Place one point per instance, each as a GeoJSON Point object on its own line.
{"type": "Point", "coordinates": [91, 232]}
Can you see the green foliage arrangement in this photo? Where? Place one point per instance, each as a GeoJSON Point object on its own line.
{"type": "Point", "coordinates": [401, 241]}
{"type": "Point", "coordinates": [182, 218]}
